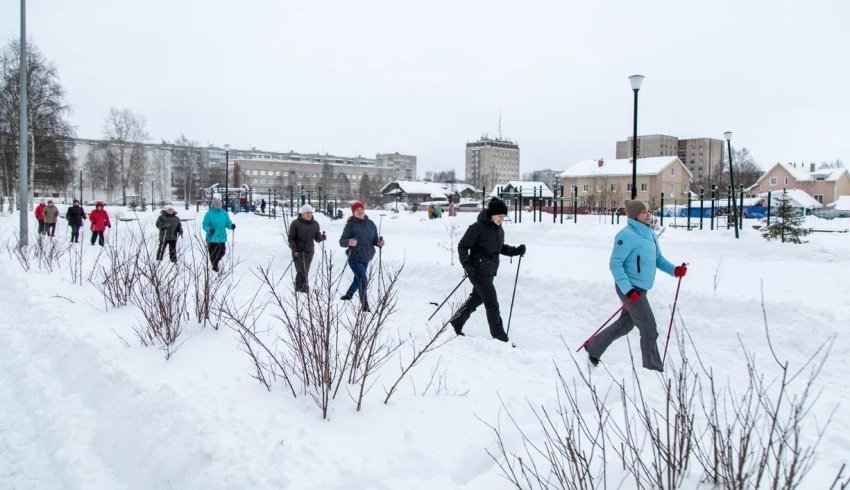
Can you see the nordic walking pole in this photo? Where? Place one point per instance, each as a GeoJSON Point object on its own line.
{"type": "Point", "coordinates": [288, 266]}
{"type": "Point", "coordinates": [447, 297]}
{"type": "Point", "coordinates": [670, 327]}
{"type": "Point", "coordinates": [511, 311]}
{"type": "Point", "coordinates": [601, 327]}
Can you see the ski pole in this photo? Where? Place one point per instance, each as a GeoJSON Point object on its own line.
{"type": "Point", "coordinates": [511, 311]}
{"type": "Point", "coordinates": [288, 266]}
{"type": "Point", "coordinates": [670, 327]}
{"type": "Point", "coordinates": [601, 327]}
{"type": "Point", "coordinates": [447, 297]}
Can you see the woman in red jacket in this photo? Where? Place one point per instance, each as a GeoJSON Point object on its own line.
{"type": "Point", "coordinates": [99, 221]}
{"type": "Point", "coordinates": [39, 216]}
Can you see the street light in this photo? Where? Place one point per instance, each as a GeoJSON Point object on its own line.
{"type": "Point", "coordinates": [635, 80]}
{"type": "Point", "coordinates": [728, 136]}
{"type": "Point", "coordinates": [226, 174]}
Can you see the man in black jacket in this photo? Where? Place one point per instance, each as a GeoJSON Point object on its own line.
{"type": "Point", "coordinates": [75, 216]}
{"type": "Point", "coordinates": [479, 251]}
{"type": "Point", "coordinates": [303, 231]}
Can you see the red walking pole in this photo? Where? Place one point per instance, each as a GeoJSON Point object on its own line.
{"type": "Point", "coordinates": [601, 327]}
{"type": "Point", "coordinates": [670, 328]}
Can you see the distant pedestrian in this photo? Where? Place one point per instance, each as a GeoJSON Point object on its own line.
{"type": "Point", "coordinates": [75, 216]}
{"type": "Point", "coordinates": [99, 221]}
{"type": "Point", "coordinates": [303, 232]}
{"type": "Point", "coordinates": [216, 223]}
{"type": "Point", "coordinates": [452, 209]}
{"type": "Point", "coordinates": [39, 216]}
{"type": "Point", "coordinates": [635, 257]}
{"type": "Point", "coordinates": [169, 229]}
{"type": "Point", "coordinates": [263, 206]}
{"type": "Point", "coordinates": [360, 236]}
{"type": "Point", "coordinates": [51, 216]}
{"type": "Point", "coordinates": [479, 251]}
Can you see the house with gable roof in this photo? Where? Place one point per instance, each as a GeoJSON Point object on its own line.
{"type": "Point", "coordinates": [605, 184]}
{"type": "Point", "coordinates": [415, 192]}
{"type": "Point", "coordinates": [824, 185]}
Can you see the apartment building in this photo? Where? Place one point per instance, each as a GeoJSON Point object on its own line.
{"type": "Point", "coordinates": [704, 157]}
{"type": "Point", "coordinates": [490, 161]}
{"type": "Point", "coordinates": [606, 184]}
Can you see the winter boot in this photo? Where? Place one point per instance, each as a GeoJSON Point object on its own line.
{"type": "Point", "coordinates": [365, 307]}
{"type": "Point", "coordinates": [590, 357]}
{"type": "Point", "coordinates": [345, 297]}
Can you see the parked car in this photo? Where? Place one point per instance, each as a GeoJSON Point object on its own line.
{"type": "Point", "coordinates": [832, 213]}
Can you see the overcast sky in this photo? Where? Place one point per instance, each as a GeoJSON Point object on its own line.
{"type": "Point", "coordinates": [359, 77]}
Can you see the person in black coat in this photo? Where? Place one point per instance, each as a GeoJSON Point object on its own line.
{"type": "Point", "coordinates": [360, 235]}
{"type": "Point", "coordinates": [169, 229]}
{"type": "Point", "coordinates": [478, 252]}
{"type": "Point", "coordinates": [75, 216]}
{"type": "Point", "coordinates": [303, 231]}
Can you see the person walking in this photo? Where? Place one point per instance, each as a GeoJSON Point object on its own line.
{"type": "Point", "coordinates": [479, 251]}
{"type": "Point", "coordinates": [635, 257]}
{"type": "Point", "coordinates": [216, 223]}
{"type": "Point", "coordinates": [360, 236]}
{"type": "Point", "coordinates": [303, 232]}
{"type": "Point", "coordinates": [51, 216]}
{"type": "Point", "coordinates": [169, 229]}
{"type": "Point", "coordinates": [99, 221]}
{"type": "Point", "coordinates": [75, 216]}
{"type": "Point", "coordinates": [263, 206]}
{"type": "Point", "coordinates": [39, 216]}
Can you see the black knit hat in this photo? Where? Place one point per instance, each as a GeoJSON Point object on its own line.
{"type": "Point", "coordinates": [496, 206]}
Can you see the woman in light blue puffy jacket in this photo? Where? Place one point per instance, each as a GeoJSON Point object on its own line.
{"type": "Point", "coordinates": [216, 223]}
{"type": "Point", "coordinates": [635, 257]}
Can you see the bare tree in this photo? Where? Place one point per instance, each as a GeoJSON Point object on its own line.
{"type": "Point", "coordinates": [126, 129]}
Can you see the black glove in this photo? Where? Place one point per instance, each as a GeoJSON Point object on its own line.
{"type": "Point", "coordinates": [233, 227]}
{"type": "Point", "coordinates": [468, 270]}
{"type": "Point", "coordinates": [109, 226]}
{"type": "Point", "coordinates": [323, 237]}
{"type": "Point", "coordinates": [520, 250]}
{"type": "Point", "coordinates": [212, 231]}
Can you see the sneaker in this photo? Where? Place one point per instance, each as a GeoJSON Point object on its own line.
{"type": "Point", "coordinates": [590, 357]}
{"type": "Point", "coordinates": [345, 297]}
{"type": "Point", "coordinates": [365, 307]}
{"type": "Point", "coordinates": [502, 336]}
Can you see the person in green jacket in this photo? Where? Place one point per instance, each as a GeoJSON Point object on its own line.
{"type": "Point", "coordinates": [216, 223]}
{"type": "Point", "coordinates": [169, 229]}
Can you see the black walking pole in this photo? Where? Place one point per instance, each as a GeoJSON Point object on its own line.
{"type": "Point", "coordinates": [447, 297]}
{"type": "Point", "coordinates": [511, 311]}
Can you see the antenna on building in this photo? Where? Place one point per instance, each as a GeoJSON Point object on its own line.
{"type": "Point", "coordinates": [500, 123]}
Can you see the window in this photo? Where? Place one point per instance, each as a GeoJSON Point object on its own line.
{"type": "Point", "coordinates": [613, 187]}
{"type": "Point", "coordinates": [628, 187]}
{"type": "Point", "coordinates": [773, 181]}
{"type": "Point", "coordinates": [584, 188]}
{"type": "Point", "coordinates": [786, 180]}
{"type": "Point", "coordinates": [819, 198]}
{"type": "Point", "coordinates": [643, 187]}
{"type": "Point", "coordinates": [673, 171]}
{"type": "Point", "coordinates": [598, 188]}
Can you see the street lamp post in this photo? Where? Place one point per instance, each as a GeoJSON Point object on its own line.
{"type": "Point", "coordinates": [636, 81]}
{"type": "Point", "coordinates": [226, 175]}
{"type": "Point", "coordinates": [728, 136]}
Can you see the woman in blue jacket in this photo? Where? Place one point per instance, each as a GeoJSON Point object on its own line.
{"type": "Point", "coordinates": [360, 236]}
{"type": "Point", "coordinates": [633, 261]}
{"type": "Point", "coordinates": [216, 223]}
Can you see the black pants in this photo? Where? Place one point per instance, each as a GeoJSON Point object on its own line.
{"type": "Point", "coordinates": [483, 292]}
{"type": "Point", "coordinates": [75, 233]}
{"type": "Point", "coordinates": [40, 227]}
{"type": "Point", "coordinates": [172, 250]}
{"type": "Point", "coordinates": [302, 269]}
{"type": "Point", "coordinates": [97, 235]}
{"type": "Point", "coordinates": [217, 251]}
{"type": "Point", "coordinates": [50, 229]}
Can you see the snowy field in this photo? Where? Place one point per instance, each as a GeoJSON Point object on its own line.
{"type": "Point", "coordinates": [84, 406]}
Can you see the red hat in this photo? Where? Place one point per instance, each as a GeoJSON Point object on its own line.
{"type": "Point", "coordinates": [357, 205]}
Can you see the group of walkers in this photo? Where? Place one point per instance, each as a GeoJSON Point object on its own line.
{"type": "Point", "coordinates": [634, 259]}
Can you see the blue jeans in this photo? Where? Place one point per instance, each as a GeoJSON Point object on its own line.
{"type": "Point", "coordinates": [360, 278]}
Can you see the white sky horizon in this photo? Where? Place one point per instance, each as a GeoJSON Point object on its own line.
{"type": "Point", "coordinates": [377, 76]}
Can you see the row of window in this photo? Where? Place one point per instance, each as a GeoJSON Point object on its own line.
{"type": "Point", "coordinates": [613, 187]}
{"type": "Point", "coordinates": [308, 175]}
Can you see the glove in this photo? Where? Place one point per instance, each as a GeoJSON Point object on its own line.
{"type": "Point", "coordinates": [352, 242]}
{"type": "Point", "coordinates": [680, 271]}
{"type": "Point", "coordinates": [109, 226]}
{"type": "Point", "coordinates": [212, 231]}
{"type": "Point", "coordinates": [323, 237]}
{"type": "Point", "coordinates": [633, 295]}
{"type": "Point", "coordinates": [381, 242]}
{"type": "Point", "coordinates": [233, 227]}
{"type": "Point", "coordinates": [520, 250]}
{"type": "Point", "coordinates": [468, 270]}
{"type": "Point", "coordinates": [296, 253]}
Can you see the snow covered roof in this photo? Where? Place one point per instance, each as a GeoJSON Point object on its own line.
{"type": "Point", "coordinates": [799, 199]}
{"type": "Point", "coordinates": [802, 175]}
{"type": "Point", "coordinates": [621, 167]}
{"type": "Point", "coordinates": [842, 204]}
{"type": "Point", "coordinates": [433, 189]}
{"type": "Point", "coordinates": [527, 188]}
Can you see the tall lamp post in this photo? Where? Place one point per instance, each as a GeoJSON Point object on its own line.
{"type": "Point", "coordinates": [226, 176]}
{"type": "Point", "coordinates": [23, 181]}
{"type": "Point", "coordinates": [728, 136]}
{"type": "Point", "coordinates": [636, 81]}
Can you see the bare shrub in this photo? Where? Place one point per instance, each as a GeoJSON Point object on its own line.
{"type": "Point", "coordinates": [160, 296]}
{"type": "Point", "coordinates": [208, 287]}
{"type": "Point", "coordinates": [49, 252]}
{"type": "Point", "coordinates": [117, 278]}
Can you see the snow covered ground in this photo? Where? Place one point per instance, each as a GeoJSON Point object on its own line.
{"type": "Point", "coordinates": [83, 405]}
